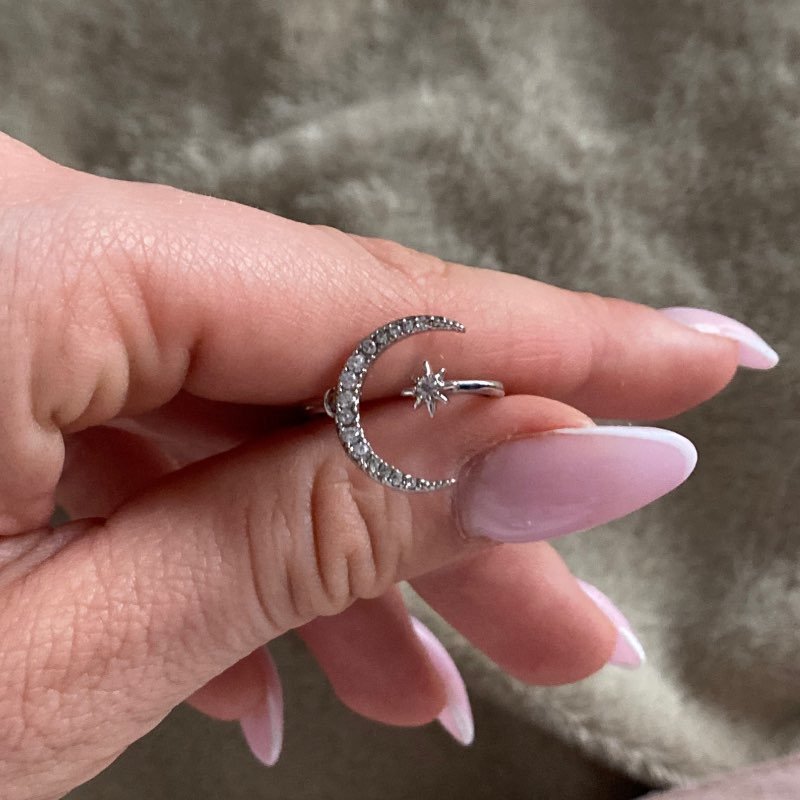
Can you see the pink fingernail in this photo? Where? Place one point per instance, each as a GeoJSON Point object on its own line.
{"type": "Point", "coordinates": [628, 652]}
{"type": "Point", "coordinates": [263, 728]}
{"type": "Point", "coordinates": [754, 352]}
{"type": "Point", "coordinates": [568, 480]}
{"type": "Point", "coordinates": [456, 717]}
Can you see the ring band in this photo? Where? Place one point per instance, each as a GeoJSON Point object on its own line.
{"type": "Point", "coordinates": [343, 402]}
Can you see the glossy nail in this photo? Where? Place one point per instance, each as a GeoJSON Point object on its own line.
{"type": "Point", "coordinates": [456, 717]}
{"type": "Point", "coordinates": [263, 728]}
{"type": "Point", "coordinates": [754, 352]}
{"type": "Point", "coordinates": [568, 480]}
{"type": "Point", "coordinates": [628, 652]}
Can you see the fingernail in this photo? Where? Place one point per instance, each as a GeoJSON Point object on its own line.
{"type": "Point", "coordinates": [754, 352]}
{"type": "Point", "coordinates": [456, 717]}
{"type": "Point", "coordinates": [568, 480]}
{"type": "Point", "coordinates": [263, 729]}
{"type": "Point", "coordinates": [628, 652]}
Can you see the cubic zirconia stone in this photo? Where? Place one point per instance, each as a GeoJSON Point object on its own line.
{"type": "Point", "coordinates": [396, 478]}
{"type": "Point", "coordinates": [345, 398]}
{"type": "Point", "coordinates": [394, 331]}
{"type": "Point", "coordinates": [345, 416]}
{"type": "Point", "coordinates": [381, 337]}
{"type": "Point", "coordinates": [374, 464]}
{"type": "Point", "coordinates": [348, 380]}
{"type": "Point", "coordinates": [384, 471]}
{"type": "Point", "coordinates": [409, 482]}
{"type": "Point", "coordinates": [368, 347]}
{"type": "Point", "coordinates": [356, 362]}
{"type": "Point", "coordinates": [407, 325]}
{"type": "Point", "coordinates": [349, 435]}
{"type": "Point", "coordinates": [361, 448]}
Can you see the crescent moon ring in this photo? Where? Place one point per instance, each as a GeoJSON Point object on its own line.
{"type": "Point", "coordinates": [343, 402]}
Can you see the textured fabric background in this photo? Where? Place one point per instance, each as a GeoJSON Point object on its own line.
{"type": "Point", "coordinates": [644, 148]}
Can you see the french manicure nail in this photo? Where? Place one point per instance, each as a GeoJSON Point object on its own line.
{"type": "Point", "coordinates": [754, 352]}
{"type": "Point", "coordinates": [263, 728]}
{"type": "Point", "coordinates": [628, 651]}
{"type": "Point", "coordinates": [456, 717]}
{"type": "Point", "coordinates": [568, 480]}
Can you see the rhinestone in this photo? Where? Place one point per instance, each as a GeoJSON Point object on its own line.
{"type": "Point", "coordinates": [407, 325]}
{"type": "Point", "coordinates": [361, 448]}
{"type": "Point", "coordinates": [396, 478]}
{"type": "Point", "coordinates": [409, 482]}
{"type": "Point", "coordinates": [349, 435]}
{"type": "Point", "coordinates": [382, 337]}
{"type": "Point", "coordinates": [374, 464]}
{"type": "Point", "coordinates": [384, 470]}
{"type": "Point", "coordinates": [368, 347]}
{"type": "Point", "coordinates": [356, 362]}
{"type": "Point", "coordinates": [394, 331]}
{"type": "Point", "coordinates": [348, 380]}
{"type": "Point", "coordinates": [345, 416]}
{"type": "Point", "coordinates": [345, 398]}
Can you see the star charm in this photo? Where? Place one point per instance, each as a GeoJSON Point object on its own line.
{"type": "Point", "coordinates": [428, 389]}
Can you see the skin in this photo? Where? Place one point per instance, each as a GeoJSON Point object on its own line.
{"type": "Point", "coordinates": [156, 342]}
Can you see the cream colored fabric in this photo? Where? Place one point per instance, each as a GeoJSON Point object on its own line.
{"type": "Point", "coordinates": [645, 149]}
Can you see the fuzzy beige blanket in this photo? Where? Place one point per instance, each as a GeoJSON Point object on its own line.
{"type": "Point", "coordinates": [643, 148]}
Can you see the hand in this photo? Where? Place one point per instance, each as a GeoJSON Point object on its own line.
{"type": "Point", "coordinates": [156, 344]}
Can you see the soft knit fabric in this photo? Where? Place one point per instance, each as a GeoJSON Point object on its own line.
{"type": "Point", "coordinates": [643, 148]}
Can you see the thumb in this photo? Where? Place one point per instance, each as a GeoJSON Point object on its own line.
{"type": "Point", "coordinates": [136, 613]}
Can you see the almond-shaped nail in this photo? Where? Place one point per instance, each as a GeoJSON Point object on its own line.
{"type": "Point", "coordinates": [263, 727]}
{"type": "Point", "coordinates": [628, 652]}
{"type": "Point", "coordinates": [456, 716]}
{"type": "Point", "coordinates": [568, 480]}
{"type": "Point", "coordinates": [754, 352]}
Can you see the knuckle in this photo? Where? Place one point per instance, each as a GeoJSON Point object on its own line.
{"type": "Point", "coordinates": [419, 279]}
{"type": "Point", "coordinates": [344, 539]}
{"type": "Point", "coordinates": [589, 329]}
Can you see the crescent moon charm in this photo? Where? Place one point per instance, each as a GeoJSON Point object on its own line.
{"type": "Point", "coordinates": [343, 402]}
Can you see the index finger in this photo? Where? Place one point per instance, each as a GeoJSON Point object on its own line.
{"type": "Point", "coordinates": [237, 304]}
{"type": "Point", "coordinates": [118, 295]}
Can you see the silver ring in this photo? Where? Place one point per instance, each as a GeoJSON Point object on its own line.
{"type": "Point", "coordinates": [343, 402]}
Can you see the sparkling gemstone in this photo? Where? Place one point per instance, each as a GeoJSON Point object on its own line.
{"type": "Point", "coordinates": [345, 398]}
{"type": "Point", "coordinates": [394, 331]}
{"type": "Point", "coordinates": [374, 464]}
{"type": "Point", "coordinates": [409, 482]}
{"type": "Point", "coordinates": [356, 362]}
{"type": "Point", "coordinates": [348, 380]}
{"type": "Point", "coordinates": [407, 325]}
{"type": "Point", "coordinates": [361, 448]}
{"type": "Point", "coordinates": [382, 337]}
{"type": "Point", "coordinates": [368, 347]}
{"type": "Point", "coordinates": [384, 471]}
{"type": "Point", "coordinates": [345, 416]}
{"type": "Point", "coordinates": [396, 478]}
{"type": "Point", "coordinates": [349, 435]}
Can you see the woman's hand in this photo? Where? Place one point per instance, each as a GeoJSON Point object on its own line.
{"type": "Point", "coordinates": [156, 344]}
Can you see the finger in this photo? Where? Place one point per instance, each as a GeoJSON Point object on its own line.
{"type": "Point", "coordinates": [222, 286]}
{"type": "Point", "coordinates": [376, 663]}
{"type": "Point", "coordinates": [521, 606]}
{"type": "Point", "coordinates": [249, 691]}
{"type": "Point", "coordinates": [169, 290]}
{"type": "Point", "coordinates": [218, 558]}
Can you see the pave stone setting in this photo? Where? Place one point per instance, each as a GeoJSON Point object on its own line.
{"type": "Point", "coordinates": [346, 398]}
